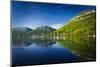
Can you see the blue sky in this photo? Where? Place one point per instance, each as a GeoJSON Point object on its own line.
{"type": "Point", "coordinates": [34, 14]}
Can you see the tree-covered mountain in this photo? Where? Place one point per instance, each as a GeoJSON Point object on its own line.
{"type": "Point", "coordinates": [24, 32]}
{"type": "Point", "coordinates": [83, 24]}
{"type": "Point", "coordinates": [20, 32]}
{"type": "Point", "coordinates": [42, 30]}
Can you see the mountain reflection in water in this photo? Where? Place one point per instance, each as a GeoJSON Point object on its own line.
{"type": "Point", "coordinates": [56, 50]}
{"type": "Point", "coordinates": [38, 41]}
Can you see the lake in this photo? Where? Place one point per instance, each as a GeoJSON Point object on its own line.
{"type": "Point", "coordinates": [52, 51]}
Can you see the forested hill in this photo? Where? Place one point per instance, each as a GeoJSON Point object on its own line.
{"type": "Point", "coordinates": [83, 23]}
{"type": "Point", "coordinates": [24, 32]}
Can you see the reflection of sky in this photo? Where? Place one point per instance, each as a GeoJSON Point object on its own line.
{"type": "Point", "coordinates": [37, 55]}
{"type": "Point", "coordinates": [32, 14]}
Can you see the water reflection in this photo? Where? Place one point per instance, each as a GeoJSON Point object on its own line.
{"type": "Point", "coordinates": [21, 43]}
{"type": "Point", "coordinates": [42, 42]}
{"type": "Point", "coordinates": [71, 49]}
{"type": "Point", "coordinates": [83, 47]}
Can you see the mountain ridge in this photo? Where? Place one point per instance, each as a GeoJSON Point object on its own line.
{"type": "Point", "coordinates": [82, 24]}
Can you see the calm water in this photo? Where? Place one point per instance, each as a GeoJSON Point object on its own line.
{"type": "Point", "coordinates": [46, 51]}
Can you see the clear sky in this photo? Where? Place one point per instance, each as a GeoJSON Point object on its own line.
{"type": "Point", "coordinates": [34, 14]}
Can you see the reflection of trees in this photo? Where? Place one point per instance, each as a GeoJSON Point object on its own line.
{"type": "Point", "coordinates": [42, 42]}
{"type": "Point", "coordinates": [21, 43]}
{"type": "Point", "coordinates": [82, 46]}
